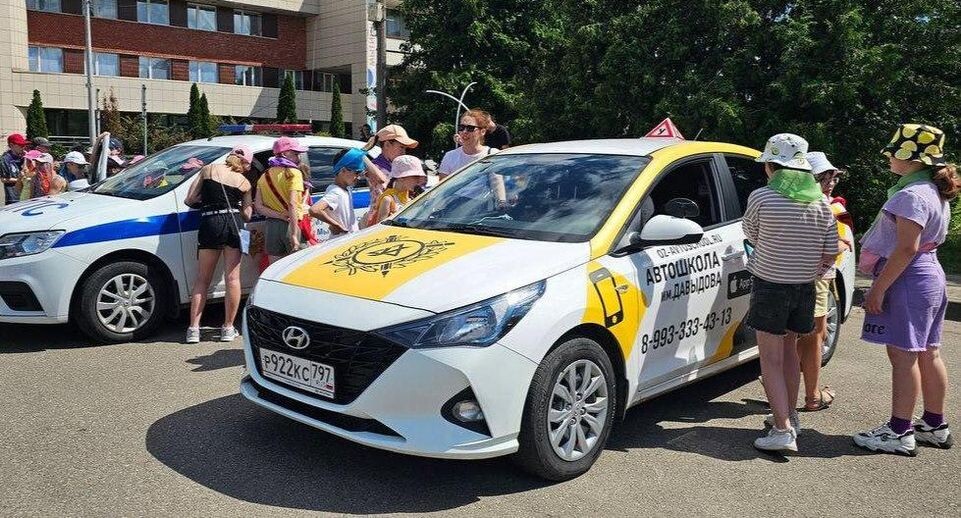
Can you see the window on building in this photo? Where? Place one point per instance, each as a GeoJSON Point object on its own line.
{"type": "Point", "coordinates": [154, 68]}
{"type": "Point", "coordinates": [203, 72]}
{"type": "Point", "coordinates": [106, 64]}
{"type": "Point", "coordinates": [248, 76]}
{"type": "Point", "coordinates": [45, 59]}
{"type": "Point", "coordinates": [396, 25]}
{"type": "Point", "coordinates": [298, 76]}
{"type": "Point", "coordinates": [246, 22]}
{"type": "Point", "coordinates": [52, 6]}
{"type": "Point", "coordinates": [104, 8]}
{"type": "Point", "coordinates": [153, 11]}
{"type": "Point", "coordinates": [202, 17]}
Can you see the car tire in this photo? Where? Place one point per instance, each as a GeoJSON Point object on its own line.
{"type": "Point", "coordinates": [833, 329]}
{"type": "Point", "coordinates": [547, 416]}
{"type": "Point", "coordinates": [121, 302]}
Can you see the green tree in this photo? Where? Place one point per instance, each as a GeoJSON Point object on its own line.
{"type": "Point", "coordinates": [287, 102]}
{"type": "Point", "coordinates": [36, 119]}
{"type": "Point", "coordinates": [204, 123]}
{"type": "Point", "coordinates": [193, 113]}
{"type": "Point", "coordinates": [336, 113]}
{"type": "Point", "coordinates": [110, 120]}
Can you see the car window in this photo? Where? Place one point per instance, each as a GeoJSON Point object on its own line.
{"type": "Point", "coordinates": [321, 159]}
{"type": "Point", "coordinates": [160, 173]}
{"type": "Point", "coordinates": [691, 180]}
{"type": "Point", "coordinates": [544, 197]}
{"type": "Point", "coordinates": [748, 176]}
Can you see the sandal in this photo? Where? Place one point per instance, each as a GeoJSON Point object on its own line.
{"type": "Point", "coordinates": [822, 402]}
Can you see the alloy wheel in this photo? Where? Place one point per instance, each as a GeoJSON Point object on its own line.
{"type": "Point", "coordinates": [578, 410]}
{"type": "Point", "coordinates": [125, 303]}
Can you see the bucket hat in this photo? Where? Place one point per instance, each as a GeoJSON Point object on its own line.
{"type": "Point", "coordinates": [75, 157]}
{"type": "Point", "coordinates": [398, 133]}
{"type": "Point", "coordinates": [788, 150]}
{"type": "Point", "coordinates": [917, 143]}
{"type": "Point", "coordinates": [405, 166]}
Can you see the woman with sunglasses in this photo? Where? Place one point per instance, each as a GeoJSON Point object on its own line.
{"type": "Point", "coordinates": [223, 193]}
{"type": "Point", "coordinates": [471, 130]}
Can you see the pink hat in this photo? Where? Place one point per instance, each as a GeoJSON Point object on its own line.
{"type": "Point", "coordinates": [287, 144]}
{"type": "Point", "coordinates": [33, 154]}
{"type": "Point", "coordinates": [136, 158]}
{"type": "Point", "coordinates": [191, 164]}
{"type": "Point", "coordinates": [245, 153]}
{"type": "Point", "coordinates": [406, 165]}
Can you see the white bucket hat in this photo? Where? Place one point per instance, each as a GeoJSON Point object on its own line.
{"type": "Point", "coordinates": [788, 150]}
{"type": "Point", "coordinates": [406, 165]}
{"type": "Point", "coordinates": [820, 163]}
{"type": "Point", "coordinates": [75, 157]}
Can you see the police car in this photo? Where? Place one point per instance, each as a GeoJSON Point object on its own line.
{"type": "Point", "coordinates": [120, 256]}
{"type": "Point", "coordinates": [521, 306]}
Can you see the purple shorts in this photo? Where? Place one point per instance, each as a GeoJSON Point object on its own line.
{"type": "Point", "coordinates": [914, 307]}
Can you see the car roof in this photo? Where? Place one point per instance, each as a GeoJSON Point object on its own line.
{"type": "Point", "coordinates": [260, 143]}
{"type": "Point", "coordinates": [624, 146]}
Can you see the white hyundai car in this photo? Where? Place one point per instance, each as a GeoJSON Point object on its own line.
{"type": "Point", "coordinates": [521, 306]}
{"type": "Point", "coordinates": [120, 256]}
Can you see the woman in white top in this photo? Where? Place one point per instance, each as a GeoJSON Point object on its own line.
{"type": "Point", "coordinates": [471, 131]}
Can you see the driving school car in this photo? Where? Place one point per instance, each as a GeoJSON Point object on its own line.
{"type": "Point", "coordinates": [119, 256]}
{"type": "Point", "coordinates": [520, 306]}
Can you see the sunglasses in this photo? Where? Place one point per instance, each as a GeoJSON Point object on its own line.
{"type": "Point", "coordinates": [466, 127]}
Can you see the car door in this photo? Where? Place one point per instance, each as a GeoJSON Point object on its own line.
{"type": "Point", "coordinates": [688, 317]}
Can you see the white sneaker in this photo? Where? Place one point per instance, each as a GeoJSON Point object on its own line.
{"type": "Point", "coordinates": [193, 335]}
{"type": "Point", "coordinates": [228, 334]}
{"type": "Point", "coordinates": [777, 440]}
{"type": "Point", "coordinates": [793, 418]}
{"type": "Point", "coordinates": [939, 437]}
{"type": "Point", "coordinates": [884, 439]}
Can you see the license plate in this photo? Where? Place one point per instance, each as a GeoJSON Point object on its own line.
{"type": "Point", "coordinates": [299, 372]}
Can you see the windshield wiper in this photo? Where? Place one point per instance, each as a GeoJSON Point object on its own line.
{"type": "Point", "coordinates": [482, 230]}
{"type": "Point", "coordinates": [396, 223]}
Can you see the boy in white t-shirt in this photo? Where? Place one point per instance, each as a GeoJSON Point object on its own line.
{"type": "Point", "coordinates": [336, 206]}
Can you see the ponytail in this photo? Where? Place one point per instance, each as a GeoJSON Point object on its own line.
{"type": "Point", "coordinates": [947, 180]}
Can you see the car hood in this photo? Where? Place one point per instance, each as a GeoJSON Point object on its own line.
{"type": "Point", "coordinates": [68, 211]}
{"type": "Point", "coordinates": [425, 269]}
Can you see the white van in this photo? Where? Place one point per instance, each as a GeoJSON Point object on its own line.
{"type": "Point", "coordinates": [120, 256]}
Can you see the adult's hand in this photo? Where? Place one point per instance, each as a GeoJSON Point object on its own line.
{"type": "Point", "coordinates": [874, 301]}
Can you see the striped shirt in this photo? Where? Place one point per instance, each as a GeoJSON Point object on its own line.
{"type": "Point", "coordinates": [789, 237]}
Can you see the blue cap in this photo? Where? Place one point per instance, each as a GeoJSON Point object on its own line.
{"type": "Point", "coordinates": [353, 159]}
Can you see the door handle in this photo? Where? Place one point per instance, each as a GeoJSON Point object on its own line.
{"type": "Point", "coordinates": [732, 255]}
{"type": "Point", "coordinates": [621, 288]}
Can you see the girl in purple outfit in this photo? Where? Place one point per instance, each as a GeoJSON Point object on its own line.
{"type": "Point", "coordinates": [906, 305]}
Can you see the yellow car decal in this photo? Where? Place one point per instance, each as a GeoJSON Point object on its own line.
{"type": "Point", "coordinates": [615, 303]}
{"type": "Point", "coordinates": [726, 344]}
{"type": "Point", "coordinates": [376, 264]}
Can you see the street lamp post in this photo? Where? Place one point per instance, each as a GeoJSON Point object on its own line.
{"type": "Point", "coordinates": [88, 51]}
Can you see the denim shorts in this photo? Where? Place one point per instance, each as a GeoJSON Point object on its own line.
{"type": "Point", "coordinates": [779, 308]}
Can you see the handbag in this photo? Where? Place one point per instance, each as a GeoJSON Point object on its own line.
{"type": "Point", "coordinates": [243, 233]}
{"type": "Point", "coordinates": [306, 228]}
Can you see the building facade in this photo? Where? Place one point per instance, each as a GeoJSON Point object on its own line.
{"type": "Point", "coordinates": [238, 53]}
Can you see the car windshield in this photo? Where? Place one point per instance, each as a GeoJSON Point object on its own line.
{"type": "Point", "coordinates": [159, 173]}
{"type": "Point", "coordinates": [543, 197]}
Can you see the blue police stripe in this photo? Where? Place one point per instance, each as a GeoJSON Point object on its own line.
{"type": "Point", "coordinates": [156, 225]}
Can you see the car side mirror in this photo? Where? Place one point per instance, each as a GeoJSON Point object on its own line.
{"type": "Point", "coordinates": [663, 230]}
{"type": "Point", "coordinates": [682, 208]}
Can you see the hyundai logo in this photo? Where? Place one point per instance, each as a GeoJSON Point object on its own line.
{"type": "Point", "coordinates": [296, 337]}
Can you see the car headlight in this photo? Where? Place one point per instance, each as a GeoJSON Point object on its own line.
{"type": "Point", "coordinates": [27, 243]}
{"type": "Point", "coordinates": [477, 325]}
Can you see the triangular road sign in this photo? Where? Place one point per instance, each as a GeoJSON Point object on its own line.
{"type": "Point", "coordinates": [665, 129]}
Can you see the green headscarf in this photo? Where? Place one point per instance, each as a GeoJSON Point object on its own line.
{"type": "Point", "coordinates": [797, 185]}
{"type": "Point", "coordinates": [917, 176]}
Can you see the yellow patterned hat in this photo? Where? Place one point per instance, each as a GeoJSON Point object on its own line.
{"type": "Point", "coordinates": [917, 143]}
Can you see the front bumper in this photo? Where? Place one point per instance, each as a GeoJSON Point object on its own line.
{"type": "Point", "coordinates": [401, 409]}
{"type": "Point", "coordinates": [50, 277]}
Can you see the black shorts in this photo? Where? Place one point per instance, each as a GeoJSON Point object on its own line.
{"type": "Point", "coordinates": [779, 308]}
{"type": "Point", "coordinates": [217, 231]}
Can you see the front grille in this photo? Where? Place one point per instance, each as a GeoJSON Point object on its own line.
{"type": "Point", "coordinates": [358, 358]}
{"type": "Point", "coordinates": [342, 421]}
{"type": "Point", "coordinates": [19, 297]}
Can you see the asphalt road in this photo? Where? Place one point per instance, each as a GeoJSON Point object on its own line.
{"type": "Point", "coordinates": [158, 429]}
